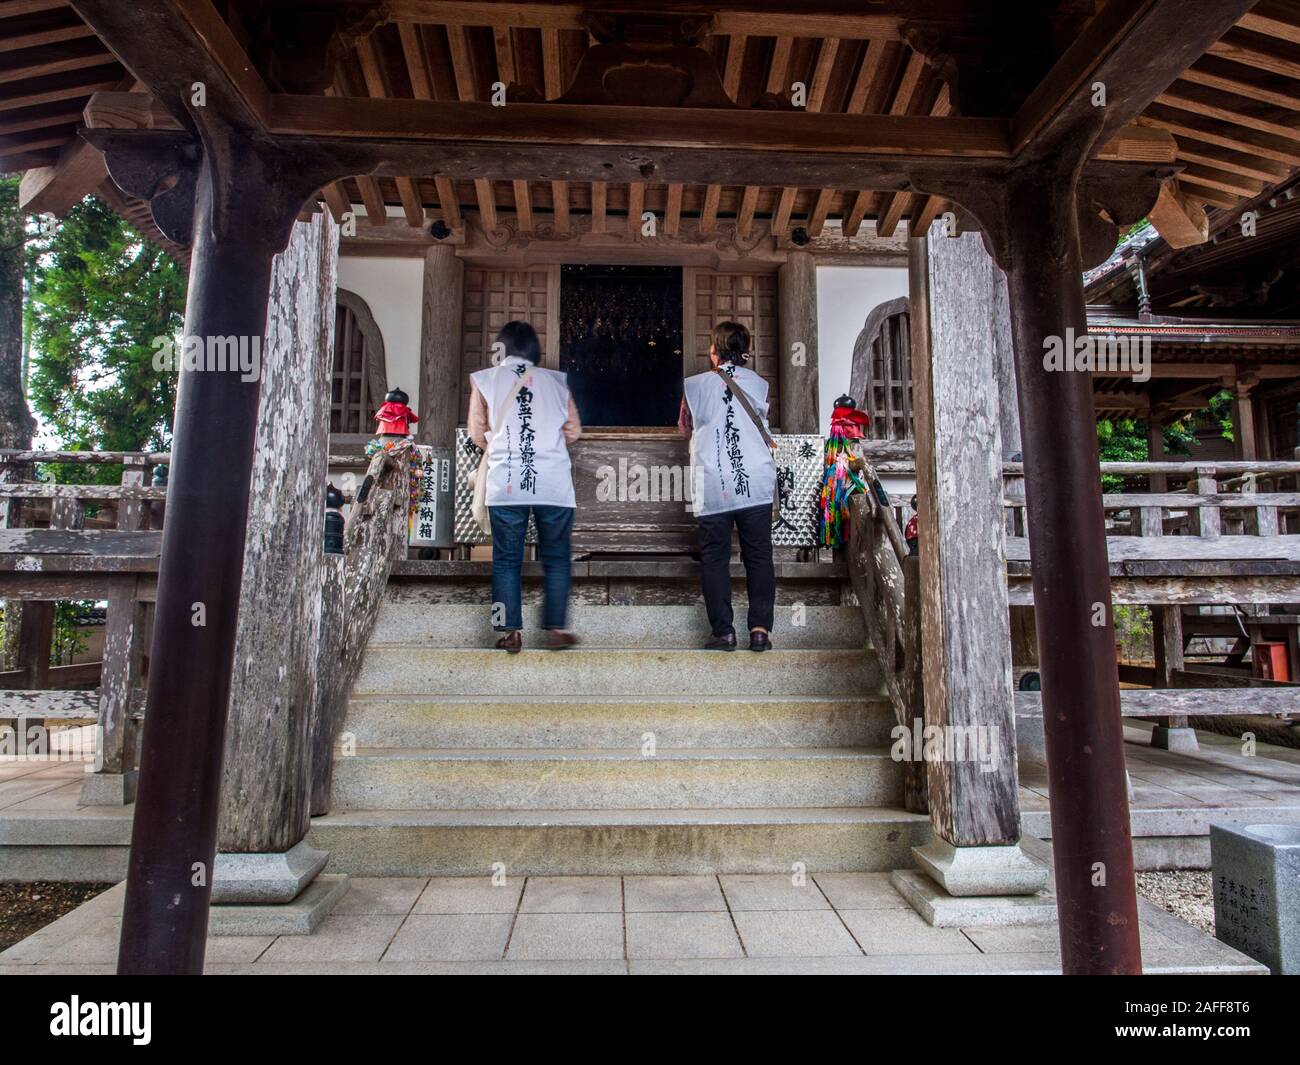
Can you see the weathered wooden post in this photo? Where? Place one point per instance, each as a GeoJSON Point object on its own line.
{"type": "Point", "coordinates": [973, 861]}
{"type": "Point", "coordinates": [266, 788]}
{"type": "Point", "coordinates": [440, 342]}
{"type": "Point", "coordinates": [797, 295]}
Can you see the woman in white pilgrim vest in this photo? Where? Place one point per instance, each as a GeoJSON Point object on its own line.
{"type": "Point", "coordinates": [734, 483]}
{"type": "Point", "coordinates": [525, 418]}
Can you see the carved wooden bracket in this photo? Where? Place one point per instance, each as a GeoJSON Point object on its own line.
{"type": "Point", "coordinates": [162, 172]}
{"type": "Point", "coordinates": [649, 60]}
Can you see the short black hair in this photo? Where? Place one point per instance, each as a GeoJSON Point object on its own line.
{"type": "Point", "coordinates": [520, 342]}
{"type": "Point", "coordinates": [732, 342]}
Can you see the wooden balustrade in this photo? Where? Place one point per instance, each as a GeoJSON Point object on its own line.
{"type": "Point", "coordinates": [886, 581]}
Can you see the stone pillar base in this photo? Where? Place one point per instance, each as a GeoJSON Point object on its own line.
{"type": "Point", "coordinates": [266, 879]}
{"type": "Point", "coordinates": [942, 910]}
{"type": "Point", "coordinates": [108, 789]}
{"type": "Point", "coordinates": [296, 918]}
{"type": "Point", "coordinates": [972, 871]}
{"type": "Point", "coordinates": [1182, 740]}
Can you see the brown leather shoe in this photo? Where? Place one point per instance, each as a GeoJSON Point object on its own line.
{"type": "Point", "coordinates": [759, 640]}
{"type": "Point", "coordinates": [558, 639]}
{"type": "Point", "coordinates": [721, 643]}
{"type": "Point", "coordinates": [512, 642]}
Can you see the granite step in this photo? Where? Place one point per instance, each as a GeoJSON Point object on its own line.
{"type": "Point", "coordinates": [617, 842]}
{"type": "Point", "coordinates": [603, 779]}
{"type": "Point", "coordinates": [798, 626]}
{"type": "Point", "coordinates": [564, 721]}
{"type": "Point", "coordinates": [415, 669]}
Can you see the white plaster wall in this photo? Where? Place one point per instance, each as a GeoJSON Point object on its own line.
{"type": "Point", "coordinates": [393, 288]}
{"type": "Point", "coordinates": [845, 296]}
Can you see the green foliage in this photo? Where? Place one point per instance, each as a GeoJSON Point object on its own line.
{"type": "Point", "coordinates": [1133, 632]}
{"type": "Point", "coordinates": [68, 639]}
{"type": "Point", "coordinates": [1125, 439]}
{"type": "Point", "coordinates": [100, 294]}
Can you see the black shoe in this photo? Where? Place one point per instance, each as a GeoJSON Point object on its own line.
{"type": "Point", "coordinates": [721, 643]}
{"type": "Point", "coordinates": [759, 641]}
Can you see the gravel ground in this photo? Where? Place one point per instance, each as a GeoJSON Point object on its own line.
{"type": "Point", "coordinates": [27, 907]}
{"type": "Point", "coordinates": [1186, 893]}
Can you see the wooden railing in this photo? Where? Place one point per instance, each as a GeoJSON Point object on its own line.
{"type": "Point", "coordinates": [886, 581]}
{"type": "Point", "coordinates": [50, 550]}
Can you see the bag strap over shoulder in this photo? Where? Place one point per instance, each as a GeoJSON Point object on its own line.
{"type": "Point", "coordinates": [748, 407]}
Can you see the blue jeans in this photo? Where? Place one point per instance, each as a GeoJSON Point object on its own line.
{"type": "Point", "coordinates": [509, 526]}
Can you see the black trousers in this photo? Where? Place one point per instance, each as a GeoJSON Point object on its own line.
{"type": "Point", "coordinates": [754, 524]}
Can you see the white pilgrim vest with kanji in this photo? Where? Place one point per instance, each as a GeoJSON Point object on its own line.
{"type": "Point", "coordinates": [528, 458]}
{"type": "Point", "coordinates": [732, 467]}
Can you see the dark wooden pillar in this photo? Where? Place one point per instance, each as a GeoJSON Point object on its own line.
{"type": "Point", "coordinates": [1081, 716]}
{"type": "Point", "coordinates": [243, 210]}
{"type": "Point", "coordinates": [440, 344]}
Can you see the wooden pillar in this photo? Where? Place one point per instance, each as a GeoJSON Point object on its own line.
{"type": "Point", "coordinates": [964, 613]}
{"type": "Point", "coordinates": [1092, 848]}
{"type": "Point", "coordinates": [797, 295]}
{"type": "Point", "coordinates": [1243, 418]}
{"type": "Point", "coordinates": [440, 344]}
{"type": "Point", "coordinates": [238, 228]}
{"type": "Point", "coordinates": [265, 801]}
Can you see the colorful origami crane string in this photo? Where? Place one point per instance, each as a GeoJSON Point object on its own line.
{"type": "Point", "coordinates": [839, 481]}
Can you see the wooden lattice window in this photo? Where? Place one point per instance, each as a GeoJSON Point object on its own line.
{"type": "Point", "coordinates": [359, 375]}
{"type": "Point", "coordinates": [881, 380]}
{"type": "Point", "coordinates": [492, 298]}
{"type": "Point", "coordinates": [751, 300]}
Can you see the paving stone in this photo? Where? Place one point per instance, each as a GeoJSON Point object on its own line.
{"type": "Point", "coordinates": [682, 935]}
{"type": "Point", "coordinates": [339, 938]}
{"type": "Point", "coordinates": [667, 894]}
{"type": "Point", "coordinates": [374, 895]}
{"type": "Point", "coordinates": [451, 937]}
{"type": "Point", "coordinates": [793, 934]}
{"type": "Point", "coordinates": [573, 894]}
{"type": "Point", "coordinates": [566, 937]}
{"type": "Point", "coordinates": [903, 932]}
{"type": "Point", "coordinates": [470, 894]}
{"type": "Point", "coordinates": [860, 891]}
{"type": "Point", "coordinates": [1026, 940]}
{"type": "Point", "coordinates": [772, 892]}
{"type": "Point", "coordinates": [98, 946]}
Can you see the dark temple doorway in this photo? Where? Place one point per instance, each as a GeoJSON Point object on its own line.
{"type": "Point", "coordinates": [621, 342]}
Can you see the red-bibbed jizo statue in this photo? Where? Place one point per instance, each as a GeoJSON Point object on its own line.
{"type": "Point", "coordinates": [395, 416]}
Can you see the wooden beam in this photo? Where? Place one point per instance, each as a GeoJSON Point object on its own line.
{"type": "Point", "coordinates": [1248, 142]}
{"type": "Point", "coordinates": [912, 136]}
{"type": "Point", "coordinates": [781, 219]}
{"type": "Point", "coordinates": [1248, 89]}
{"type": "Point", "coordinates": [635, 205]}
{"type": "Point", "coordinates": [1273, 20]}
{"type": "Point", "coordinates": [881, 19]}
{"type": "Point", "coordinates": [745, 216]}
{"type": "Point", "coordinates": [336, 200]}
{"type": "Point", "coordinates": [1182, 224]}
{"type": "Point", "coordinates": [377, 86]}
{"type": "Point", "coordinates": [1184, 101]}
{"type": "Point", "coordinates": [599, 191]}
{"type": "Point", "coordinates": [673, 215]}
{"type": "Point", "coordinates": [523, 206]}
{"type": "Point", "coordinates": [54, 189]}
{"type": "Point", "coordinates": [37, 38]}
{"type": "Point", "coordinates": [1240, 50]}
{"type": "Point", "coordinates": [709, 212]}
{"type": "Point", "coordinates": [1116, 50]}
{"type": "Point", "coordinates": [553, 88]}
{"type": "Point", "coordinates": [447, 202]}
{"type": "Point", "coordinates": [861, 205]}
{"type": "Point", "coordinates": [821, 208]}
{"type": "Point", "coordinates": [462, 69]}
{"type": "Point", "coordinates": [180, 43]}
{"type": "Point", "coordinates": [1192, 151]}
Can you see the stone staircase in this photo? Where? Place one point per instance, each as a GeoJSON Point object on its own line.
{"type": "Point", "coordinates": [634, 753]}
